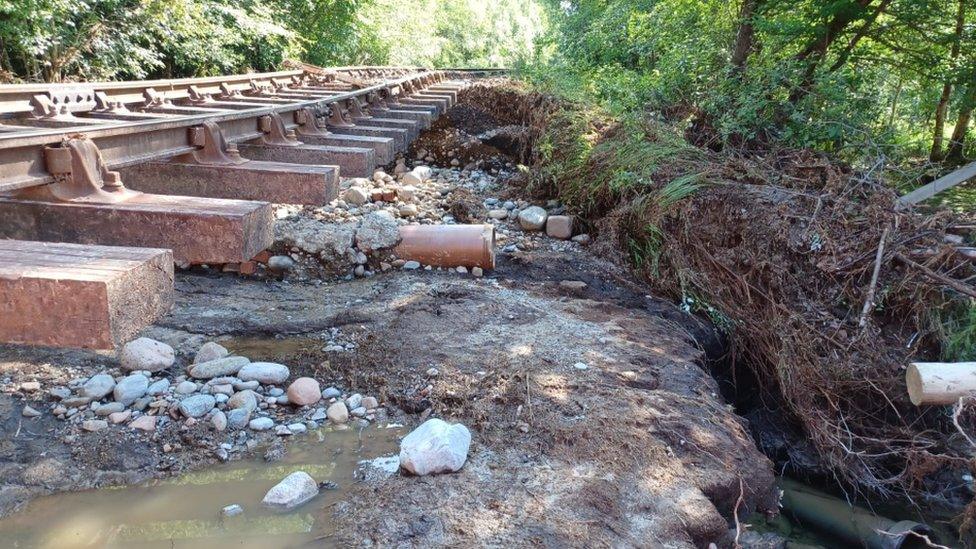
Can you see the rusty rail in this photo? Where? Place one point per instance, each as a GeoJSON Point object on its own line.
{"type": "Point", "coordinates": [135, 122]}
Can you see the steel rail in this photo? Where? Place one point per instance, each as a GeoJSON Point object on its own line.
{"type": "Point", "coordinates": [121, 144]}
{"type": "Point", "coordinates": [15, 99]}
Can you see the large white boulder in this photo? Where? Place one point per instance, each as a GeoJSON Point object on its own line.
{"type": "Point", "coordinates": [292, 491]}
{"type": "Point", "coordinates": [435, 447]}
{"type": "Point", "coordinates": [146, 354]}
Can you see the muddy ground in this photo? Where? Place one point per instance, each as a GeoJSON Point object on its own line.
{"type": "Point", "coordinates": [594, 420]}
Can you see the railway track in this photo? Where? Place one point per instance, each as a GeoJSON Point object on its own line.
{"type": "Point", "coordinates": [98, 181]}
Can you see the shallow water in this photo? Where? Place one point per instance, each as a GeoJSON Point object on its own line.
{"type": "Point", "coordinates": [185, 511]}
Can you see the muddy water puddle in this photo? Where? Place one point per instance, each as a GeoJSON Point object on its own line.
{"type": "Point", "coordinates": [185, 511]}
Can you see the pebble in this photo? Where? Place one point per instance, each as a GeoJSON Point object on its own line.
{"type": "Point", "coordinates": [131, 388]}
{"type": "Point", "coordinates": [338, 413]}
{"type": "Point", "coordinates": [146, 354]}
{"type": "Point", "coordinates": [331, 392]}
{"type": "Point", "coordinates": [157, 388]}
{"type": "Point", "coordinates": [246, 399]}
{"type": "Point", "coordinates": [76, 402]}
{"type": "Point", "coordinates": [30, 386]}
{"type": "Point", "coordinates": [197, 405]}
{"type": "Point", "coordinates": [319, 415]}
{"type": "Point", "coordinates": [276, 391]}
{"type": "Point", "coordinates": [120, 417]}
{"type": "Point", "coordinates": [498, 214]}
{"type": "Point", "coordinates": [304, 391]}
{"type": "Point", "coordinates": [186, 387]}
{"type": "Point", "coordinates": [411, 265]}
{"type": "Point", "coordinates": [242, 385]}
{"type": "Point", "coordinates": [97, 386]}
{"type": "Point", "coordinates": [238, 418]}
{"type": "Point", "coordinates": [370, 403]}
{"type": "Point", "coordinates": [210, 351]}
{"type": "Point", "coordinates": [559, 226]}
{"type": "Point", "coordinates": [219, 421]}
{"type": "Point", "coordinates": [232, 510]}
{"type": "Point", "coordinates": [261, 424]}
{"type": "Point", "coordinates": [226, 366]}
{"type": "Point", "coordinates": [144, 423]}
{"type": "Point", "coordinates": [281, 263]}
{"type": "Point", "coordinates": [93, 425]}
{"type": "Point", "coordinates": [573, 285]}
{"type": "Point", "coordinates": [30, 412]}
{"type": "Point", "coordinates": [110, 408]}
{"type": "Point", "coordinates": [477, 272]}
{"type": "Point", "coordinates": [267, 373]}
{"type": "Point", "coordinates": [354, 401]}
{"type": "Point", "coordinates": [62, 393]}
{"type": "Point", "coordinates": [297, 428]}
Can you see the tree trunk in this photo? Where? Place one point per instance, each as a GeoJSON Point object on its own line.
{"type": "Point", "coordinates": [861, 32]}
{"type": "Point", "coordinates": [815, 51]}
{"type": "Point", "coordinates": [957, 145]}
{"type": "Point", "coordinates": [938, 134]}
{"type": "Point", "coordinates": [745, 35]}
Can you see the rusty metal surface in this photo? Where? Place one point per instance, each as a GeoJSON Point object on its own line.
{"type": "Point", "coordinates": [125, 142]}
{"type": "Point", "coordinates": [80, 296]}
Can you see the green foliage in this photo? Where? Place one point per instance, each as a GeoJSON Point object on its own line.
{"type": "Point", "coordinates": [56, 40]}
{"type": "Point", "coordinates": [958, 328]}
{"type": "Point", "coordinates": [860, 78]}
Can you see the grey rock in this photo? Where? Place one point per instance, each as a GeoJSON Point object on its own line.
{"type": "Point", "coordinates": [292, 491]}
{"type": "Point", "coordinates": [186, 387]}
{"type": "Point", "coordinates": [62, 393]}
{"type": "Point", "coordinates": [29, 412]}
{"type": "Point", "coordinates": [197, 405]}
{"type": "Point", "coordinates": [261, 424]}
{"type": "Point", "coordinates": [221, 367]}
{"type": "Point", "coordinates": [246, 399]}
{"type": "Point", "coordinates": [97, 386]}
{"type": "Point", "coordinates": [232, 510]}
{"type": "Point", "coordinates": [435, 447]}
{"type": "Point", "coordinates": [331, 392]}
{"type": "Point", "coordinates": [158, 387]}
{"type": "Point", "coordinates": [533, 218]}
{"type": "Point", "coordinates": [109, 408]}
{"type": "Point", "coordinates": [210, 351]}
{"type": "Point", "coordinates": [141, 403]}
{"type": "Point", "coordinates": [131, 388]}
{"type": "Point", "coordinates": [411, 265]}
{"type": "Point", "coordinates": [267, 373]}
{"type": "Point", "coordinates": [146, 354]}
{"type": "Point", "coordinates": [329, 241]}
{"type": "Point", "coordinates": [379, 230]}
{"type": "Point", "coordinates": [242, 385]}
{"type": "Point", "coordinates": [281, 263]}
{"type": "Point", "coordinates": [276, 391]}
{"type": "Point", "coordinates": [354, 401]}
{"type": "Point", "coordinates": [238, 418]}
{"type": "Point", "coordinates": [93, 425]}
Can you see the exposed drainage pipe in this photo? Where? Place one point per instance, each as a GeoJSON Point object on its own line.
{"type": "Point", "coordinates": [853, 524]}
{"type": "Point", "coordinates": [448, 245]}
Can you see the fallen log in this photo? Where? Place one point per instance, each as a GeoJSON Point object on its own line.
{"type": "Point", "coordinates": [940, 383]}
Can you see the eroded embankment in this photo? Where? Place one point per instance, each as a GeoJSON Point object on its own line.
{"type": "Point", "coordinates": [778, 249]}
{"type": "Point", "coordinates": [594, 420]}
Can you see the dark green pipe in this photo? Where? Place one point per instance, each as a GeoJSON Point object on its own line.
{"type": "Point", "coordinates": [852, 524]}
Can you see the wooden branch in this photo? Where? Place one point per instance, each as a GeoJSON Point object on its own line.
{"type": "Point", "coordinates": [945, 281]}
{"type": "Point", "coordinates": [869, 301]}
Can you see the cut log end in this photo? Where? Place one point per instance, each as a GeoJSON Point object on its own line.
{"type": "Point", "coordinates": [940, 383]}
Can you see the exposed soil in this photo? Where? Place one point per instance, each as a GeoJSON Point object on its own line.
{"type": "Point", "coordinates": [593, 417]}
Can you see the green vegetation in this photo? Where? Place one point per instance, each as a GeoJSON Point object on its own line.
{"type": "Point", "coordinates": [65, 40]}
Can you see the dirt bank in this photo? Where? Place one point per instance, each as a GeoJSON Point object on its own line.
{"type": "Point", "coordinates": [594, 421]}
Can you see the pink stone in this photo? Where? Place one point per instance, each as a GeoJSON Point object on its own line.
{"type": "Point", "coordinates": [144, 423]}
{"type": "Point", "coordinates": [304, 391]}
{"type": "Point", "coordinates": [120, 417]}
